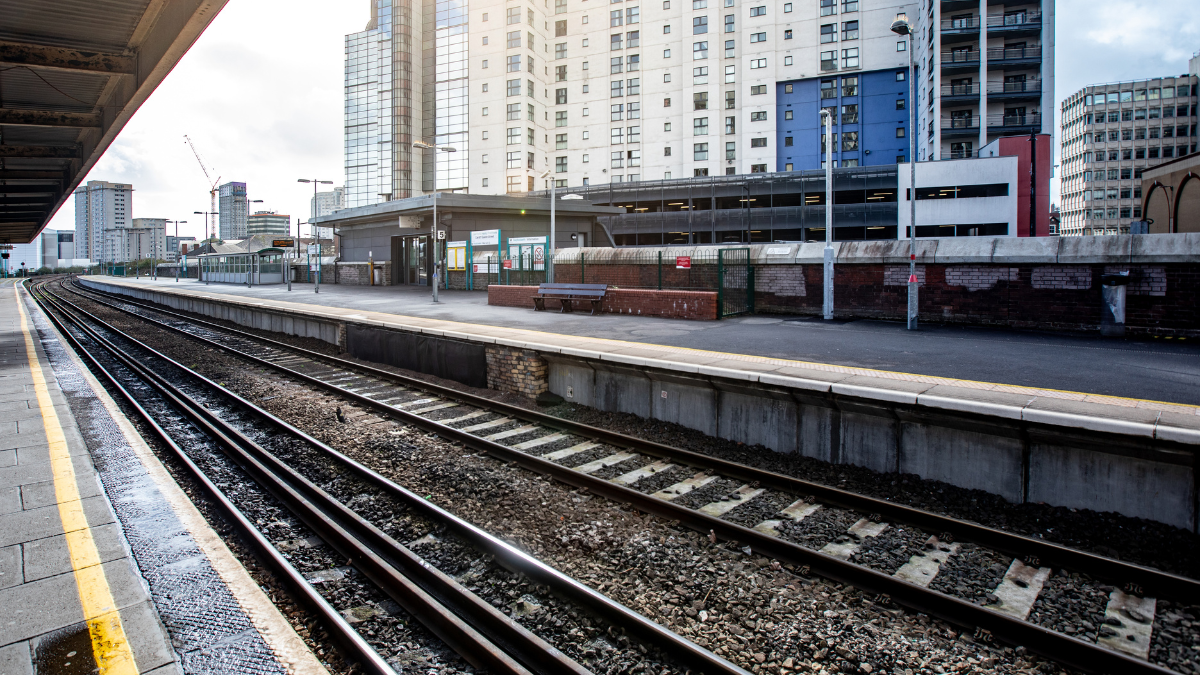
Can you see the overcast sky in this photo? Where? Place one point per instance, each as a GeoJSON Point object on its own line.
{"type": "Point", "coordinates": [260, 94]}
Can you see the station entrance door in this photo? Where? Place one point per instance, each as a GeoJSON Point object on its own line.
{"type": "Point", "coordinates": [414, 257]}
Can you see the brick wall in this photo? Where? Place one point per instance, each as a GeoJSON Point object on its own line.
{"type": "Point", "coordinates": [699, 305]}
{"type": "Point", "coordinates": [522, 371]}
{"type": "Point", "coordinates": [1160, 299]}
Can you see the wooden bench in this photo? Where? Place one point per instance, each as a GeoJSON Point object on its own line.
{"type": "Point", "coordinates": [568, 293]}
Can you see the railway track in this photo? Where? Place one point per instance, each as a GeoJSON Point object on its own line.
{"type": "Point", "coordinates": [193, 415]}
{"type": "Point", "coordinates": [875, 545]}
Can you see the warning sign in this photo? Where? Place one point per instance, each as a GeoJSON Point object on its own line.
{"type": "Point", "coordinates": [683, 262]}
{"type": "Point", "coordinates": [508, 264]}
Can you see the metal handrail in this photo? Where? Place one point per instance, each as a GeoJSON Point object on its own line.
{"type": "Point", "coordinates": [1031, 119]}
{"type": "Point", "coordinates": [966, 122]}
{"type": "Point", "coordinates": [960, 89]}
{"type": "Point", "coordinates": [965, 56]}
{"type": "Point", "coordinates": [960, 24]}
{"type": "Point", "coordinates": [1028, 86]}
{"type": "Point", "coordinates": [1014, 53]}
{"type": "Point", "coordinates": [1002, 21]}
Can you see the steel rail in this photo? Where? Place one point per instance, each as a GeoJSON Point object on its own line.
{"type": "Point", "coordinates": [1152, 581]}
{"type": "Point", "coordinates": [439, 610]}
{"type": "Point", "coordinates": [1067, 650]}
{"type": "Point", "coordinates": [507, 555]}
{"type": "Point", "coordinates": [356, 647]}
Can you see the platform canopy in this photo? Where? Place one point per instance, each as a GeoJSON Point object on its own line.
{"type": "Point", "coordinates": [72, 74]}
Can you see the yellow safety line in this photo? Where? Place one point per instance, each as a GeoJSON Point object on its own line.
{"type": "Point", "coordinates": [109, 645]}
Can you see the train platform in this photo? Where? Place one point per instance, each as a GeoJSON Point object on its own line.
{"type": "Point", "coordinates": [105, 565]}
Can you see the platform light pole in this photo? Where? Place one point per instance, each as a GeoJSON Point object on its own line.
{"type": "Point", "coordinates": [177, 256]}
{"type": "Point", "coordinates": [433, 230]}
{"type": "Point", "coordinates": [827, 305]}
{"type": "Point", "coordinates": [550, 245]}
{"type": "Point", "coordinates": [315, 184]}
{"type": "Point", "coordinates": [902, 28]}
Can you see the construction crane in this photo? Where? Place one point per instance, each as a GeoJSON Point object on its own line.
{"type": "Point", "coordinates": [212, 191]}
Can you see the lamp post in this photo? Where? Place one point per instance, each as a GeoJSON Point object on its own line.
{"type": "Point", "coordinates": [178, 259]}
{"type": "Point", "coordinates": [315, 183]}
{"type": "Point", "coordinates": [550, 247]}
{"type": "Point", "coordinates": [827, 305]}
{"type": "Point", "coordinates": [437, 262]}
{"type": "Point", "coordinates": [901, 27]}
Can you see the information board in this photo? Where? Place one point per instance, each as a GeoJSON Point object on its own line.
{"type": "Point", "coordinates": [485, 238]}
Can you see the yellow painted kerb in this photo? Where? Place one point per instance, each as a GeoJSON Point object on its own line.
{"type": "Point", "coordinates": [111, 648]}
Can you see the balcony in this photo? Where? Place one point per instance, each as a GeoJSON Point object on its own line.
{"type": "Point", "coordinates": [1010, 125]}
{"type": "Point", "coordinates": [1014, 57]}
{"type": "Point", "coordinates": [967, 125]}
{"type": "Point", "coordinates": [958, 93]}
{"type": "Point", "coordinates": [1023, 23]}
{"type": "Point", "coordinates": [960, 60]}
{"type": "Point", "coordinates": [1029, 90]}
{"type": "Point", "coordinates": [960, 30]}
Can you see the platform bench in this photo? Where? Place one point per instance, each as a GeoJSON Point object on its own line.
{"type": "Point", "coordinates": [568, 293]}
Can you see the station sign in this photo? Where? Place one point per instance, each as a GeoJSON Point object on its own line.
{"type": "Point", "coordinates": [485, 238]}
{"type": "Point", "coordinates": [683, 262]}
{"type": "Point", "coordinates": [441, 235]}
{"type": "Point", "coordinates": [313, 249]}
{"type": "Point", "coordinates": [283, 243]}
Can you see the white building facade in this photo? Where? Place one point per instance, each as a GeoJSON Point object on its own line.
{"type": "Point", "coordinates": [1111, 133]}
{"type": "Point", "coordinates": [233, 210]}
{"type": "Point", "coordinates": [144, 238]}
{"type": "Point", "coordinates": [99, 207]}
{"type": "Point", "coordinates": [325, 203]}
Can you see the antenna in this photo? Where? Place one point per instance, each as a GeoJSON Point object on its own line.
{"type": "Point", "coordinates": [212, 190]}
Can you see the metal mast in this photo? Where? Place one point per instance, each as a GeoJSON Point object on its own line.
{"type": "Point", "coordinates": [212, 190]}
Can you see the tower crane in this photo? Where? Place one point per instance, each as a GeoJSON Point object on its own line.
{"type": "Point", "coordinates": [212, 191]}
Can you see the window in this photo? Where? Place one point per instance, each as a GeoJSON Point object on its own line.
{"type": "Point", "coordinates": [514, 87]}
{"type": "Point", "coordinates": [850, 114]}
{"type": "Point", "coordinates": [850, 30]}
{"type": "Point", "coordinates": [560, 6]}
{"type": "Point", "coordinates": [633, 62]}
{"type": "Point", "coordinates": [618, 160]}
{"type": "Point", "coordinates": [485, 14]}
{"type": "Point", "coordinates": [529, 88]}
{"type": "Point", "coordinates": [514, 111]}
{"type": "Point", "coordinates": [758, 116]}
{"type": "Point", "coordinates": [485, 111]}
{"type": "Point", "coordinates": [758, 142]}
{"type": "Point", "coordinates": [514, 160]}
{"type": "Point", "coordinates": [758, 11]}
{"type": "Point", "coordinates": [899, 132]}
{"type": "Point", "coordinates": [485, 158]}
{"type": "Point", "coordinates": [530, 64]}
{"type": "Point", "coordinates": [634, 157]}
{"type": "Point", "coordinates": [850, 58]}
{"type": "Point", "coordinates": [730, 125]}
{"type": "Point", "coordinates": [1127, 134]}
{"type": "Point", "coordinates": [787, 114]}
{"type": "Point", "coordinates": [828, 7]}
{"type": "Point", "coordinates": [615, 41]}
{"type": "Point", "coordinates": [633, 111]}
{"type": "Point", "coordinates": [699, 4]}
{"type": "Point", "coordinates": [758, 168]}
{"type": "Point", "coordinates": [485, 88]}
{"type": "Point", "coordinates": [730, 150]}
{"type": "Point", "coordinates": [514, 15]}
{"type": "Point", "coordinates": [758, 63]}
{"type": "Point", "coordinates": [729, 49]}
{"type": "Point", "coordinates": [758, 37]}
{"type": "Point", "coordinates": [849, 6]}
{"type": "Point", "coordinates": [901, 46]}
{"type": "Point", "coordinates": [699, 25]}
{"type": "Point", "coordinates": [514, 39]}
{"type": "Point", "coordinates": [850, 85]}
{"type": "Point", "coordinates": [828, 60]}
{"type": "Point", "coordinates": [667, 126]}
{"type": "Point", "coordinates": [633, 38]}
{"type": "Point", "coordinates": [667, 102]}
{"type": "Point", "coordinates": [560, 141]}
{"type": "Point", "coordinates": [701, 172]}
{"type": "Point", "coordinates": [666, 53]}
{"type": "Point", "coordinates": [529, 137]}
{"type": "Point", "coordinates": [560, 118]}
{"type": "Point", "coordinates": [617, 112]}
{"type": "Point", "coordinates": [560, 50]}
{"type": "Point", "coordinates": [666, 29]}
{"type": "Point", "coordinates": [635, 86]}
{"type": "Point", "coordinates": [634, 134]}
{"type": "Point", "coordinates": [514, 63]}
{"type": "Point", "coordinates": [529, 16]}
{"type": "Point", "coordinates": [485, 64]}
{"type": "Point", "coordinates": [560, 96]}
{"type": "Point", "coordinates": [632, 15]}
{"type": "Point", "coordinates": [617, 135]}
{"type": "Point", "coordinates": [700, 100]}
{"type": "Point", "coordinates": [787, 8]}
{"type": "Point", "coordinates": [899, 75]}
{"type": "Point", "coordinates": [730, 100]}
{"type": "Point", "coordinates": [560, 73]}
{"type": "Point", "coordinates": [700, 75]}
{"type": "Point", "coordinates": [730, 74]}
{"type": "Point", "coordinates": [849, 140]}
{"type": "Point", "coordinates": [530, 43]}
{"type": "Point", "coordinates": [667, 152]}
{"type": "Point", "coordinates": [758, 89]}
{"type": "Point", "coordinates": [560, 165]}
{"type": "Point", "coordinates": [699, 50]}
{"type": "Point", "coordinates": [616, 64]}
{"type": "Point", "coordinates": [618, 88]}
{"type": "Point", "coordinates": [700, 153]}
{"type": "Point", "coordinates": [700, 126]}
{"type": "Point", "coordinates": [616, 18]}
{"type": "Point", "coordinates": [829, 33]}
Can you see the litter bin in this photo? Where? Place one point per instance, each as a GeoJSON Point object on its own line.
{"type": "Point", "coordinates": [1112, 316]}
{"type": "Point", "coordinates": [378, 276]}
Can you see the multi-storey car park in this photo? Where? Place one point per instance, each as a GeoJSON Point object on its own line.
{"type": "Point", "coordinates": [1111, 133]}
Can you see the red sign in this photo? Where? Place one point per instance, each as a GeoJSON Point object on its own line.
{"type": "Point", "coordinates": [508, 264]}
{"type": "Point", "coordinates": [683, 262]}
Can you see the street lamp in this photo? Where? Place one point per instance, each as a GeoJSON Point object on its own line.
{"type": "Point", "coordinates": [827, 283]}
{"type": "Point", "coordinates": [550, 252]}
{"type": "Point", "coordinates": [437, 263]}
{"type": "Point", "coordinates": [177, 256]}
{"type": "Point", "coordinates": [315, 183]}
{"type": "Point", "coordinates": [902, 28]}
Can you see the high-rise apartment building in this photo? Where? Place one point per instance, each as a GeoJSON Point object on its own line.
{"type": "Point", "coordinates": [637, 90]}
{"type": "Point", "coordinates": [985, 70]}
{"type": "Point", "coordinates": [268, 222]}
{"type": "Point", "coordinates": [325, 203]}
{"type": "Point", "coordinates": [233, 210]}
{"type": "Point", "coordinates": [99, 207]}
{"type": "Point", "coordinates": [144, 238]}
{"type": "Point", "coordinates": [174, 245]}
{"type": "Point", "coordinates": [1111, 133]}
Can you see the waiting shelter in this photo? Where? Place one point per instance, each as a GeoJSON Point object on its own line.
{"type": "Point", "coordinates": [264, 266]}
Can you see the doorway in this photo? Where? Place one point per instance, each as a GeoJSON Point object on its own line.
{"type": "Point", "coordinates": [412, 256]}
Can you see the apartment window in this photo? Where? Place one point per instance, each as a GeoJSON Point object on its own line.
{"type": "Point", "coordinates": [757, 63]}
{"type": "Point", "coordinates": [560, 118]}
{"type": "Point", "coordinates": [758, 89]}
{"type": "Point", "coordinates": [829, 33]}
{"type": "Point", "coordinates": [618, 160]}
{"type": "Point", "coordinates": [850, 58]}
{"type": "Point", "coordinates": [485, 88]}
{"type": "Point", "coordinates": [702, 172]}
{"type": "Point", "coordinates": [530, 64]}
{"type": "Point", "coordinates": [666, 29]}
{"type": "Point", "coordinates": [758, 11]}
{"type": "Point", "coordinates": [849, 140]}
{"type": "Point", "coordinates": [530, 43]}
{"type": "Point", "coordinates": [616, 64]}
{"type": "Point", "coordinates": [615, 41]}
{"type": "Point", "coordinates": [730, 150]}
{"type": "Point", "coordinates": [514, 39]}
{"type": "Point", "coordinates": [1139, 134]}
{"type": "Point", "coordinates": [1126, 116]}
{"type": "Point", "coordinates": [529, 88]}
{"type": "Point", "coordinates": [787, 114]}
{"type": "Point", "coordinates": [700, 100]}
{"type": "Point", "coordinates": [829, 60]}
{"type": "Point", "coordinates": [514, 15]}
{"type": "Point", "coordinates": [730, 74]}
{"type": "Point", "coordinates": [485, 16]}
{"type": "Point", "coordinates": [632, 15]}
{"type": "Point", "coordinates": [617, 112]}
{"type": "Point", "coordinates": [634, 134]}
{"type": "Point", "coordinates": [758, 142]}
{"type": "Point", "coordinates": [667, 102]}
{"type": "Point", "coordinates": [787, 8]}
{"type": "Point", "coordinates": [560, 73]}
{"type": "Point", "coordinates": [666, 55]}
{"type": "Point", "coordinates": [899, 132]}
{"type": "Point", "coordinates": [699, 25]}
{"type": "Point", "coordinates": [850, 6]}
{"type": "Point", "coordinates": [633, 110]}
{"type": "Point", "coordinates": [787, 141]}
{"type": "Point", "coordinates": [730, 100]}
{"type": "Point", "coordinates": [514, 111]}
{"type": "Point", "coordinates": [850, 86]}
{"type": "Point", "coordinates": [560, 165]}
{"type": "Point", "coordinates": [485, 63]}
{"type": "Point", "coordinates": [634, 157]}
{"type": "Point", "coordinates": [850, 114]}
{"type": "Point", "coordinates": [560, 6]}
{"type": "Point", "coordinates": [730, 125]}
{"type": "Point", "coordinates": [899, 75]}
{"type": "Point", "coordinates": [514, 63]}
{"type": "Point", "coordinates": [514, 87]}
{"type": "Point", "coordinates": [618, 88]}
{"type": "Point", "coordinates": [560, 141]}
{"type": "Point", "coordinates": [560, 96]}
{"type": "Point", "coordinates": [529, 136]}
{"type": "Point", "coordinates": [635, 86]}
{"type": "Point", "coordinates": [700, 126]}
{"type": "Point", "coordinates": [560, 50]}
{"type": "Point", "coordinates": [666, 152]}
{"type": "Point", "coordinates": [699, 4]}
{"type": "Point", "coordinates": [730, 23]}
{"type": "Point", "coordinates": [617, 135]}
{"type": "Point", "coordinates": [758, 116]}
{"type": "Point", "coordinates": [1126, 174]}
{"type": "Point", "coordinates": [729, 49]}
{"type": "Point", "coordinates": [700, 75]}
{"type": "Point", "coordinates": [633, 38]}
{"type": "Point", "coordinates": [616, 18]}
{"type": "Point", "coordinates": [699, 50]}
{"type": "Point", "coordinates": [529, 16]}
{"type": "Point", "coordinates": [850, 30]}
{"type": "Point", "coordinates": [700, 153]}
{"type": "Point", "coordinates": [514, 160]}
{"type": "Point", "coordinates": [633, 62]}
{"type": "Point", "coordinates": [758, 37]}
{"type": "Point", "coordinates": [485, 181]}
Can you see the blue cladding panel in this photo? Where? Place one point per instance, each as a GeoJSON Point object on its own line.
{"type": "Point", "coordinates": [878, 120]}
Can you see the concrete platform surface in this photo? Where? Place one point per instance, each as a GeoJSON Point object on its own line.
{"type": "Point", "coordinates": [978, 362]}
{"type": "Point", "coordinates": [104, 563]}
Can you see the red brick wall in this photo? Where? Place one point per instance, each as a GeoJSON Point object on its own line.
{"type": "Point", "coordinates": [1161, 298]}
{"type": "Point", "coordinates": [699, 305]}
